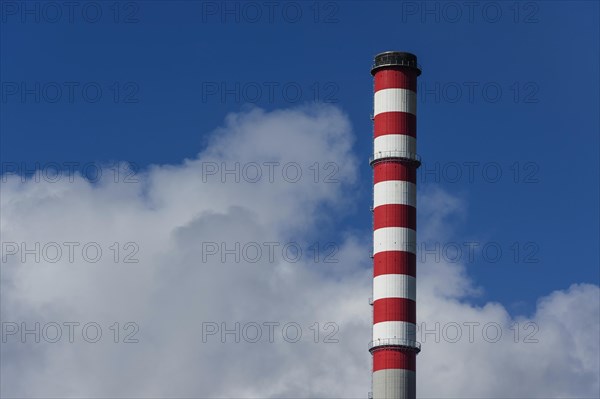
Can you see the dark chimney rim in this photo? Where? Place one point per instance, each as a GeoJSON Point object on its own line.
{"type": "Point", "coordinates": [395, 59]}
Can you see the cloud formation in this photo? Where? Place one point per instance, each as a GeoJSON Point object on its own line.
{"type": "Point", "coordinates": [216, 239]}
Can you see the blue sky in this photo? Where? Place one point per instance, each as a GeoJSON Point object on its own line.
{"type": "Point", "coordinates": [168, 58]}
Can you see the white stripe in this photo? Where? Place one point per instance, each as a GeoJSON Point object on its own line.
{"type": "Point", "coordinates": [394, 239]}
{"type": "Point", "coordinates": [394, 286]}
{"type": "Point", "coordinates": [394, 192]}
{"type": "Point", "coordinates": [394, 329]}
{"type": "Point", "coordinates": [395, 100]}
{"type": "Point", "coordinates": [395, 143]}
{"type": "Point", "coordinates": [393, 383]}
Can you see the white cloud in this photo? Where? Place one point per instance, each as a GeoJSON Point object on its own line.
{"type": "Point", "coordinates": [172, 291]}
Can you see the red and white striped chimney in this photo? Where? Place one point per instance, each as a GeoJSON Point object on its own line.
{"type": "Point", "coordinates": [395, 162]}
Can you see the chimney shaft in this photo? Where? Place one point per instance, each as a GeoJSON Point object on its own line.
{"type": "Point", "coordinates": [394, 162]}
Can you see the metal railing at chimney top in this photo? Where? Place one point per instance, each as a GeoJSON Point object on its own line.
{"type": "Point", "coordinates": [410, 156]}
{"type": "Point", "coordinates": [396, 62]}
{"type": "Point", "coordinates": [407, 343]}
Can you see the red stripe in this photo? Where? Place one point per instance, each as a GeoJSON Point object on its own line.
{"type": "Point", "coordinates": [396, 79]}
{"type": "Point", "coordinates": [395, 262]}
{"type": "Point", "coordinates": [394, 309]}
{"type": "Point", "coordinates": [395, 215]}
{"type": "Point", "coordinates": [391, 170]}
{"type": "Point", "coordinates": [392, 359]}
{"type": "Point", "coordinates": [395, 123]}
